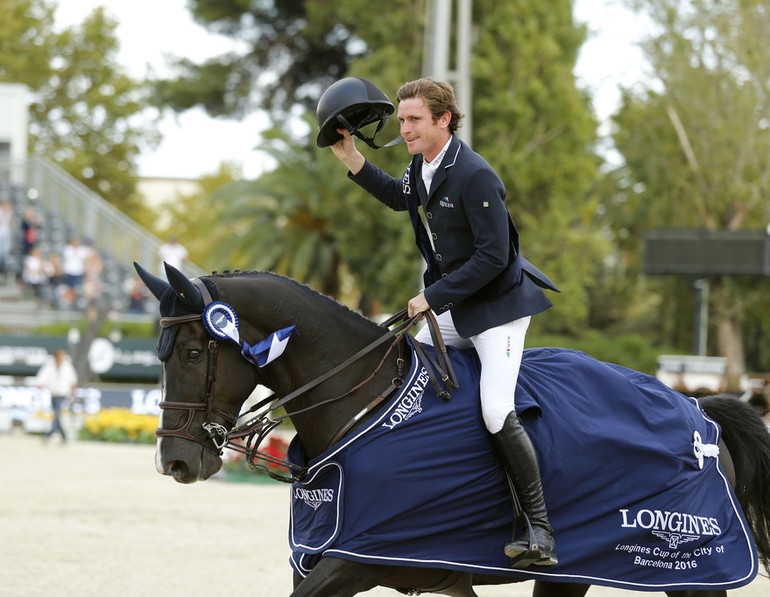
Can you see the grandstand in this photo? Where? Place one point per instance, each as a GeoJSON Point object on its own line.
{"type": "Point", "coordinates": [68, 208]}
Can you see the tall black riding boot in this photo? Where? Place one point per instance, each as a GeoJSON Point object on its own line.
{"type": "Point", "coordinates": [520, 462]}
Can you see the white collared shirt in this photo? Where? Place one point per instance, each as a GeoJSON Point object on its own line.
{"type": "Point", "coordinates": [429, 168]}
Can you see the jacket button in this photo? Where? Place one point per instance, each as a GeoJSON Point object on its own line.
{"type": "Point", "coordinates": [438, 257]}
{"type": "Point", "coordinates": [444, 275]}
{"type": "Point", "coordinates": [429, 215]}
{"type": "Point", "coordinates": [434, 236]}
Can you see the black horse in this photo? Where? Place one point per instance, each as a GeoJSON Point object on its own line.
{"type": "Point", "coordinates": [336, 372]}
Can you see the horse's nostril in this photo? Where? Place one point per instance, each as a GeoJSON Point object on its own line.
{"type": "Point", "coordinates": [177, 468]}
{"type": "Point", "coordinates": [181, 472]}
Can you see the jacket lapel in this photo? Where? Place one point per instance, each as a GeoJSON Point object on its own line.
{"type": "Point", "coordinates": [422, 193]}
{"type": "Point", "coordinates": [449, 160]}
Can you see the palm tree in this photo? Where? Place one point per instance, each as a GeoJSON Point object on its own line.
{"type": "Point", "coordinates": [285, 220]}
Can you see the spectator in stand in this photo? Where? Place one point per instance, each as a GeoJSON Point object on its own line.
{"type": "Point", "coordinates": [74, 257]}
{"type": "Point", "coordinates": [172, 253]}
{"type": "Point", "coordinates": [6, 233]}
{"type": "Point", "coordinates": [137, 294]}
{"type": "Point", "coordinates": [67, 298]}
{"type": "Point", "coordinates": [30, 225]}
{"type": "Point", "coordinates": [58, 375]}
{"type": "Point", "coordinates": [94, 268]}
{"type": "Point", "coordinates": [34, 274]}
{"type": "Point", "coordinates": [55, 279]}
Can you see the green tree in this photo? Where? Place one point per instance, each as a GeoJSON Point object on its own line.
{"type": "Point", "coordinates": [293, 50]}
{"type": "Point", "coordinates": [530, 121]}
{"type": "Point", "coordinates": [193, 217]}
{"type": "Point", "coordinates": [696, 140]}
{"type": "Point", "coordinates": [536, 129]}
{"type": "Point", "coordinates": [86, 112]}
{"type": "Point", "coordinates": [304, 220]}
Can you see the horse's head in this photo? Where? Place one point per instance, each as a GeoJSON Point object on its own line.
{"type": "Point", "coordinates": [335, 367]}
{"type": "Point", "coordinates": [204, 383]}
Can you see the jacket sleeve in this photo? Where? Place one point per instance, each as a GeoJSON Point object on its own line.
{"type": "Point", "coordinates": [384, 187]}
{"type": "Point", "coordinates": [483, 202]}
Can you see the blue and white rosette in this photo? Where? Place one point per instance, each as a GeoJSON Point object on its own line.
{"type": "Point", "coordinates": [221, 321]}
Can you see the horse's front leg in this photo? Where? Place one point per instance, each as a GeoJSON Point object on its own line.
{"type": "Point", "coordinates": [333, 577]}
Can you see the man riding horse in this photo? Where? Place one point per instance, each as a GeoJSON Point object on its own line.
{"type": "Point", "coordinates": [478, 284]}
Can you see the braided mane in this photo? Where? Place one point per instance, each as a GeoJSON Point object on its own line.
{"type": "Point", "coordinates": [304, 289]}
{"type": "Point", "coordinates": [172, 306]}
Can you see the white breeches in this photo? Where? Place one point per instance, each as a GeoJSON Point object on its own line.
{"type": "Point", "coordinates": [500, 350]}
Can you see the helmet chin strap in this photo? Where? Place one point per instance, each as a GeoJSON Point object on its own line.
{"type": "Point", "coordinates": [368, 140]}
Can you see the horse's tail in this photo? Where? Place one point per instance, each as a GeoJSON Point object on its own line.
{"type": "Point", "coordinates": [748, 441]}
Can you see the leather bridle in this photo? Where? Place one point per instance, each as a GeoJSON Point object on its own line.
{"type": "Point", "coordinates": [216, 429]}
{"type": "Point", "coordinates": [261, 424]}
{"type": "Point", "coordinates": [211, 377]}
{"type": "Point", "coordinates": [192, 407]}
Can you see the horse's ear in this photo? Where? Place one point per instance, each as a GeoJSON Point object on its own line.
{"type": "Point", "coordinates": [157, 286]}
{"type": "Point", "coordinates": [188, 292]}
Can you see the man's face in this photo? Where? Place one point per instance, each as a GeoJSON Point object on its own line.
{"type": "Point", "coordinates": [420, 131]}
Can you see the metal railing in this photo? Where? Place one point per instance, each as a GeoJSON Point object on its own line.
{"type": "Point", "coordinates": [39, 182]}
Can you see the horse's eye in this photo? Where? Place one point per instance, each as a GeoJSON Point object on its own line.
{"type": "Point", "coordinates": [193, 354]}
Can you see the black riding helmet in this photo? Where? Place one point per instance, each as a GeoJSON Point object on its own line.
{"type": "Point", "coordinates": [352, 103]}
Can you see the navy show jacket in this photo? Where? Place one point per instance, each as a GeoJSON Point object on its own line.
{"type": "Point", "coordinates": [476, 269]}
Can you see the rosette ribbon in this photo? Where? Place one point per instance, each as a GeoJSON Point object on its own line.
{"type": "Point", "coordinates": [221, 322]}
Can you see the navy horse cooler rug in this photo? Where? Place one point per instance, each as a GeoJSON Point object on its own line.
{"type": "Point", "coordinates": [632, 483]}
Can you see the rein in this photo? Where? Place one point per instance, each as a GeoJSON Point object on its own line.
{"type": "Point", "coordinates": [257, 428]}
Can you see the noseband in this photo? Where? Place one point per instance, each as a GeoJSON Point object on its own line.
{"type": "Point", "coordinates": [211, 378]}
{"type": "Point", "coordinates": [192, 407]}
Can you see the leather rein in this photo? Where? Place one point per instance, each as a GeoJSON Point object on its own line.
{"type": "Point", "coordinates": [247, 437]}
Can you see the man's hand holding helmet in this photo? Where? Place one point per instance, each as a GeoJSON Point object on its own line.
{"type": "Point", "coordinates": [345, 150]}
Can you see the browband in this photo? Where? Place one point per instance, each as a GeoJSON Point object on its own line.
{"type": "Point", "coordinates": [166, 322]}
